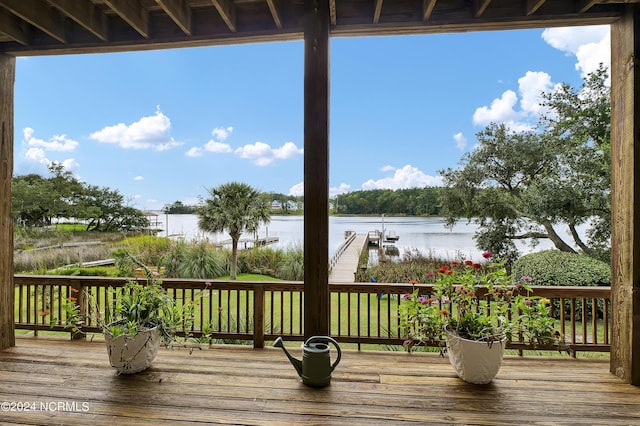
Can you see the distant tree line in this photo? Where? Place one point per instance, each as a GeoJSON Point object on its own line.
{"type": "Point", "coordinates": [37, 201]}
{"type": "Point", "coordinates": [178, 207]}
{"type": "Point", "coordinates": [410, 202]}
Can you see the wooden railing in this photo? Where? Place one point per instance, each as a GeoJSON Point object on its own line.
{"type": "Point", "coordinates": [340, 251]}
{"type": "Point", "coordinates": [241, 311]}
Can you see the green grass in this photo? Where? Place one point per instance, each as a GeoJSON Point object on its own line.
{"type": "Point", "coordinates": [249, 277]}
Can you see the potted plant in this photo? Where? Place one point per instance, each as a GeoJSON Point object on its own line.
{"type": "Point", "coordinates": [475, 329]}
{"type": "Point", "coordinates": [142, 317]}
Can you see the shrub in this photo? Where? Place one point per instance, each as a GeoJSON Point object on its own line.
{"type": "Point", "coordinates": [201, 260]}
{"type": "Point", "coordinates": [292, 266]}
{"type": "Point", "coordinates": [555, 267]}
{"type": "Point", "coordinates": [558, 268]}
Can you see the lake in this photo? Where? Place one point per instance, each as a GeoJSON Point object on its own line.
{"type": "Point", "coordinates": [426, 234]}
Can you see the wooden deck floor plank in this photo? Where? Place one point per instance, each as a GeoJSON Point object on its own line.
{"type": "Point", "coordinates": [260, 387]}
{"type": "Point", "coordinates": [462, 397]}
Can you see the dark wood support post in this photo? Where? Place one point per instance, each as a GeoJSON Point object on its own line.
{"type": "Point", "coordinates": [625, 196]}
{"type": "Point", "coordinates": [258, 317]}
{"type": "Point", "coordinates": [316, 168]}
{"type": "Point", "coordinates": [7, 292]}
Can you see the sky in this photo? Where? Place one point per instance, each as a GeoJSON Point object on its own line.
{"type": "Point", "coordinates": [166, 125]}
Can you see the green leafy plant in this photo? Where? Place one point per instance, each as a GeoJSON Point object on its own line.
{"type": "Point", "coordinates": [508, 309]}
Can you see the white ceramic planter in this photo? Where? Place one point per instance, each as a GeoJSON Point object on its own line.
{"type": "Point", "coordinates": [133, 353]}
{"type": "Point", "coordinates": [475, 362]}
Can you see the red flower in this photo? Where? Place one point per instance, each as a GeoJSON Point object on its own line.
{"type": "Point", "coordinates": [476, 266]}
{"type": "Point", "coordinates": [413, 282]}
{"type": "Point", "coordinates": [449, 272]}
{"type": "Point", "coordinates": [454, 263]}
{"type": "Point", "coordinates": [468, 262]}
{"type": "Point", "coordinates": [487, 254]}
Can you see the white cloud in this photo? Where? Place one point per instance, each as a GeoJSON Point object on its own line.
{"type": "Point", "coordinates": [56, 143]}
{"type": "Point", "coordinates": [504, 109]}
{"type": "Point", "coordinates": [37, 155]}
{"type": "Point", "coordinates": [590, 45]}
{"type": "Point", "coordinates": [343, 188]}
{"type": "Point", "coordinates": [405, 177]}
{"type": "Point", "coordinates": [194, 152]}
{"type": "Point", "coordinates": [501, 109]}
{"type": "Point", "coordinates": [221, 133]}
{"type": "Point", "coordinates": [461, 141]}
{"type": "Point", "coordinates": [531, 86]}
{"type": "Point", "coordinates": [297, 190]}
{"type": "Point", "coordinates": [214, 146]}
{"type": "Point", "coordinates": [262, 154]}
{"type": "Point", "coordinates": [71, 164]}
{"type": "Point", "coordinates": [137, 178]}
{"type": "Point", "coordinates": [387, 168]}
{"type": "Point", "coordinates": [150, 132]}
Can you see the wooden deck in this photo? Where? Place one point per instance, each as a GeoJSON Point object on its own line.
{"type": "Point", "coordinates": [241, 385]}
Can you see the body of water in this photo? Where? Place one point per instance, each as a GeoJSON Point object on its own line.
{"type": "Point", "coordinates": [426, 234]}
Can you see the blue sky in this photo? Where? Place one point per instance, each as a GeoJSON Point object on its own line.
{"type": "Point", "coordinates": [165, 125]}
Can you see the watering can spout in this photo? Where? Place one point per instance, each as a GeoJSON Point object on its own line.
{"type": "Point", "coordinates": [297, 364]}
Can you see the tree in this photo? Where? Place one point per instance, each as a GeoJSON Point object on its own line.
{"type": "Point", "coordinates": [529, 185]}
{"type": "Point", "coordinates": [236, 208]}
{"type": "Point", "coordinates": [37, 200]}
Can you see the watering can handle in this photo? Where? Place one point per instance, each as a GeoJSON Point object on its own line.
{"type": "Point", "coordinates": [330, 340]}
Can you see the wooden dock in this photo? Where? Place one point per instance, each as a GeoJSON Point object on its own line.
{"type": "Point", "coordinates": [345, 264]}
{"type": "Point", "coordinates": [247, 243]}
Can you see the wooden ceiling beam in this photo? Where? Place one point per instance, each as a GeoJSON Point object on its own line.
{"type": "Point", "coordinates": [85, 14]}
{"type": "Point", "coordinates": [479, 6]}
{"type": "Point", "coordinates": [585, 5]}
{"type": "Point", "coordinates": [40, 16]}
{"type": "Point", "coordinates": [10, 26]}
{"type": "Point", "coordinates": [332, 12]}
{"type": "Point", "coordinates": [179, 11]}
{"type": "Point", "coordinates": [533, 6]}
{"type": "Point", "coordinates": [132, 12]}
{"type": "Point", "coordinates": [227, 11]}
{"type": "Point", "coordinates": [377, 11]}
{"type": "Point", "coordinates": [275, 12]}
{"type": "Point", "coordinates": [427, 9]}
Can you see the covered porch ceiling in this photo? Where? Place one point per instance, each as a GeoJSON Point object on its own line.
{"type": "Point", "coordinates": [42, 27]}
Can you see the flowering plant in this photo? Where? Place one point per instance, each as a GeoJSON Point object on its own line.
{"type": "Point", "coordinates": [476, 302]}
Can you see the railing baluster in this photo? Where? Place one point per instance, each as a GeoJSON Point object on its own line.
{"type": "Point", "coordinates": [360, 313]}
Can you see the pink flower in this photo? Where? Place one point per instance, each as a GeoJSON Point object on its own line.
{"type": "Point", "coordinates": [430, 274]}
{"type": "Point", "coordinates": [422, 300]}
{"type": "Point", "coordinates": [528, 302]}
{"type": "Point", "coordinates": [525, 278]}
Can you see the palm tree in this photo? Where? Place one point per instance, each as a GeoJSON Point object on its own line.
{"type": "Point", "coordinates": [236, 208]}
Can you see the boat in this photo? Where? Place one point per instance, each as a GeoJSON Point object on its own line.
{"type": "Point", "coordinates": [391, 236]}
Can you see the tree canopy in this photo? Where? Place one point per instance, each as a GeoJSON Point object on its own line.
{"type": "Point", "coordinates": [411, 202]}
{"type": "Point", "coordinates": [236, 208]}
{"type": "Point", "coordinates": [37, 201]}
{"type": "Point", "coordinates": [543, 183]}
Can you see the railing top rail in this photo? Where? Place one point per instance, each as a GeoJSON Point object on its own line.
{"type": "Point", "coordinates": [397, 288]}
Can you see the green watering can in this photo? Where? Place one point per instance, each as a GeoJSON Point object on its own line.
{"type": "Point", "coordinates": [315, 368]}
